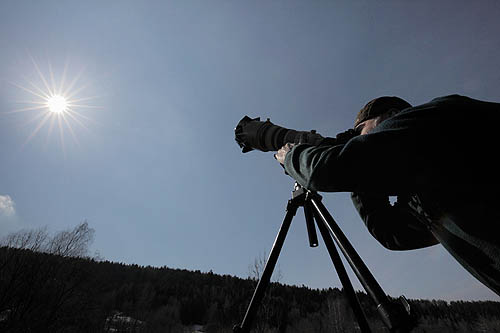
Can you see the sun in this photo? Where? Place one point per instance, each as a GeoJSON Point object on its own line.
{"type": "Point", "coordinates": [57, 104]}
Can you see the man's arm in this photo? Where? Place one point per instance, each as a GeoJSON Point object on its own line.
{"type": "Point", "coordinates": [398, 151]}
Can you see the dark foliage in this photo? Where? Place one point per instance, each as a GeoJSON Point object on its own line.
{"type": "Point", "coordinates": [42, 292]}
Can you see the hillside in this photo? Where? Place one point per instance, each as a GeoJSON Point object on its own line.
{"type": "Point", "coordinates": [42, 292]}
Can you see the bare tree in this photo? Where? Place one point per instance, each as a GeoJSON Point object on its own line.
{"type": "Point", "coordinates": [256, 269]}
{"type": "Point", "coordinates": [67, 243]}
{"type": "Point", "coordinates": [44, 288]}
{"type": "Point", "coordinates": [72, 243]}
{"type": "Point", "coordinates": [34, 240]}
{"type": "Point", "coordinates": [267, 307]}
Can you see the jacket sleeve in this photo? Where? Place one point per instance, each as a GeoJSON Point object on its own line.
{"type": "Point", "coordinates": [394, 226]}
{"type": "Point", "coordinates": [350, 167]}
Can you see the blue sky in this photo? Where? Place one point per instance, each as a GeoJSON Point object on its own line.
{"type": "Point", "coordinates": [152, 163]}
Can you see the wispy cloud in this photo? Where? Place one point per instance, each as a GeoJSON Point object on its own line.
{"type": "Point", "coordinates": [7, 206]}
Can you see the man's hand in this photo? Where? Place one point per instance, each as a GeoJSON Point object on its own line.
{"type": "Point", "coordinates": [281, 154]}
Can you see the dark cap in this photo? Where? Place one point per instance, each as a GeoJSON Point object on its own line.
{"type": "Point", "coordinates": [379, 106]}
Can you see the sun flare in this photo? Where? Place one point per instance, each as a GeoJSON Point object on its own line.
{"type": "Point", "coordinates": [54, 103]}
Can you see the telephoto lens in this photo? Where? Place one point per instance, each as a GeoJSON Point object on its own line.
{"type": "Point", "coordinates": [253, 134]}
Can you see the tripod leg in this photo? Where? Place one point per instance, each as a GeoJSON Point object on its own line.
{"type": "Point", "coordinates": [268, 269]}
{"type": "Point", "coordinates": [395, 321]}
{"type": "Point", "coordinates": [311, 229]}
{"type": "Point", "coordinates": [344, 278]}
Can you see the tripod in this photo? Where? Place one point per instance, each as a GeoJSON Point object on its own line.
{"type": "Point", "coordinates": [395, 316]}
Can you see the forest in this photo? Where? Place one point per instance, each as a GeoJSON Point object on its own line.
{"type": "Point", "coordinates": [52, 284]}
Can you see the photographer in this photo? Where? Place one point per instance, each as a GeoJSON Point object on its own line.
{"type": "Point", "coordinates": [438, 158]}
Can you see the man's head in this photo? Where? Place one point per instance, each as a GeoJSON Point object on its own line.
{"type": "Point", "coordinates": [376, 111]}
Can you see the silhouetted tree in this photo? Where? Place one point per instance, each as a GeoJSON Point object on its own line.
{"type": "Point", "coordinates": [39, 290]}
{"type": "Point", "coordinates": [67, 243]}
{"type": "Point", "coordinates": [72, 243]}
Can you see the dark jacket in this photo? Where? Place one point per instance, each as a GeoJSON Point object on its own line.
{"type": "Point", "coordinates": [440, 159]}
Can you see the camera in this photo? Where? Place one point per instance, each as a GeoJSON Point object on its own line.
{"type": "Point", "coordinates": [253, 134]}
